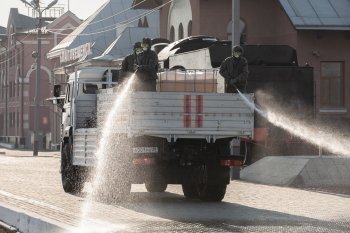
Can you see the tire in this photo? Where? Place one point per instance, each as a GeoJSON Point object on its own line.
{"type": "Point", "coordinates": [73, 177]}
{"type": "Point", "coordinates": [156, 187]}
{"type": "Point", "coordinates": [208, 192]}
{"type": "Point", "coordinates": [190, 190]}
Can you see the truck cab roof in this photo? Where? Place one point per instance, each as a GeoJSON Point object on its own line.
{"type": "Point", "coordinates": [93, 74]}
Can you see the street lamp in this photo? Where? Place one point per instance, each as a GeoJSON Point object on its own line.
{"type": "Point", "coordinates": [35, 4]}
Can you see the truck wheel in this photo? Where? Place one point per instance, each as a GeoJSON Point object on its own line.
{"type": "Point", "coordinates": [190, 190]}
{"type": "Point", "coordinates": [206, 191]}
{"type": "Point", "coordinates": [73, 178]}
{"type": "Point", "coordinates": [156, 187]}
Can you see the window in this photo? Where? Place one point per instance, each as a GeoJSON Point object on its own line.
{"type": "Point", "coordinates": [17, 58]}
{"type": "Point", "coordinates": [89, 88]}
{"type": "Point", "coordinates": [68, 94]}
{"type": "Point", "coordinates": [10, 94]}
{"type": "Point", "coordinates": [10, 58]}
{"type": "Point", "coordinates": [18, 84]}
{"type": "Point", "coordinates": [189, 29]}
{"type": "Point", "coordinates": [14, 89]}
{"type": "Point", "coordinates": [332, 84]}
{"type": "Point", "coordinates": [172, 34]}
{"type": "Point", "coordinates": [181, 31]}
{"type": "Point", "coordinates": [145, 22]}
{"type": "Point", "coordinates": [12, 119]}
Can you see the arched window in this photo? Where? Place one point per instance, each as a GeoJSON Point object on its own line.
{"type": "Point", "coordinates": [172, 34]}
{"type": "Point", "coordinates": [181, 31]}
{"type": "Point", "coordinates": [189, 29]}
{"type": "Point", "coordinates": [180, 12]}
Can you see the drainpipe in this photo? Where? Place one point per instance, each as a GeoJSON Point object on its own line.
{"type": "Point", "coordinates": [22, 89]}
{"type": "Point", "coordinates": [5, 78]}
{"type": "Point", "coordinates": [236, 5]}
{"type": "Point", "coordinates": [6, 94]}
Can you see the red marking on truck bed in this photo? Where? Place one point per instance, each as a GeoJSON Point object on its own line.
{"type": "Point", "coordinates": [199, 111]}
{"type": "Point", "coordinates": [187, 112]}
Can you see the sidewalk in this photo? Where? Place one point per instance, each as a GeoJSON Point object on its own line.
{"type": "Point", "coordinates": [22, 153]}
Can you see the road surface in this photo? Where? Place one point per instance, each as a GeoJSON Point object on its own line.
{"type": "Point", "coordinates": [33, 184]}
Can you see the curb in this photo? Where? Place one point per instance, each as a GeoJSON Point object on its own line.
{"type": "Point", "coordinates": [6, 228]}
{"type": "Point", "coordinates": [27, 222]}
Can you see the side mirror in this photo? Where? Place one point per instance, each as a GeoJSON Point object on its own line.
{"type": "Point", "coordinates": [57, 90]}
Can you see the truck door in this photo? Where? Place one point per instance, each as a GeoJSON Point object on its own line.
{"type": "Point", "coordinates": [66, 111]}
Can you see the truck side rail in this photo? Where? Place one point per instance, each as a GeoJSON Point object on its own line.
{"type": "Point", "coordinates": [174, 115]}
{"type": "Point", "coordinates": [190, 80]}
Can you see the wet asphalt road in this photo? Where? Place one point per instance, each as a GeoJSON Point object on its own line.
{"type": "Point", "coordinates": [33, 184]}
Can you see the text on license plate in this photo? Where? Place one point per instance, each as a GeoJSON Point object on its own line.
{"type": "Point", "coordinates": [144, 150]}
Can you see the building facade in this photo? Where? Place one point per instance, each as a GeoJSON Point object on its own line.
{"type": "Point", "coordinates": [319, 32]}
{"type": "Point", "coordinates": [18, 79]}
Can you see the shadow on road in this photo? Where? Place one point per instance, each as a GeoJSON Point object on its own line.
{"type": "Point", "coordinates": [222, 216]}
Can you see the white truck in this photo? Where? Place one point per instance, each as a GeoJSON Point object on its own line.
{"type": "Point", "coordinates": [180, 134]}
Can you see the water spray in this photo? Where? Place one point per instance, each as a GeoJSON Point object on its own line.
{"type": "Point", "coordinates": [104, 145]}
{"type": "Point", "coordinates": [322, 137]}
{"type": "Point", "coordinates": [252, 105]}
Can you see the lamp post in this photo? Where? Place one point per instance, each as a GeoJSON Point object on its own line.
{"type": "Point", "coordinates": [235, 171]}
{"type": "Point", "coordinates": [35, 4]}
{"type": "Point", "coordinates": [6, 78]}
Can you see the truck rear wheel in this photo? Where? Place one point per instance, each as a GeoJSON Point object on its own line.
{"type": "Point", "coordinates": [190, 190]}
{"type": "Point", "coordinates": [156, 186]}
{"type": "Point", "coordinates": [73, 177]}
{"type": "Point", "coordinates": [207, 191]}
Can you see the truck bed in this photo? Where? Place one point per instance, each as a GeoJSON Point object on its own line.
{"type": "Point", "coordinates": [174, 115]}
{"type": "Point", "coordinates": [170, 115]}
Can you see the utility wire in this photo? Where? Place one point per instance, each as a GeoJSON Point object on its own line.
{"type": "Point", "coordinates": [98, 21]}
{"type": "Point", "coordinates": [122, 23]}
{"type": "Point", "coordinates": [7, 59]}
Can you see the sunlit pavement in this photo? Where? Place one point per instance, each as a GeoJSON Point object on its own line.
{"type": "Point", "coordinates": [33, 184]}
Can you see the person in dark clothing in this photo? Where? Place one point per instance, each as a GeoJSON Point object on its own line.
{"type": "Point", "coordinates": [234, 69]}
{"type": "Point", "coordinates": [147, 67]}
{"type": "Point", "coordinates": [128, 64]}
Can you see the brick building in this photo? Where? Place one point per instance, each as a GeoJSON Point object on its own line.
{"type": "Point", "coordinates": [318, 30]}
{"type": "Point", "coordinates": [18, 75]}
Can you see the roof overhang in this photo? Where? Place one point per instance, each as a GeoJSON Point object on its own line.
{"type": "Point", "coordinates": [89, 63]}
{"type": "Point", "coordinates": [146, 4]}
{"type": "Point", "coordinates": [323, 28]}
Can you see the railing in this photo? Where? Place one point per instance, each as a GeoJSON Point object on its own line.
{"type": "Point", "coordinates": [12, 141]}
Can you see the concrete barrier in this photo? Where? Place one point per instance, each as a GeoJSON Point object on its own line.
{"type": "Point", "coordinates": [305, 171]}
{"type": "Point", "coordinates": [26, 222]}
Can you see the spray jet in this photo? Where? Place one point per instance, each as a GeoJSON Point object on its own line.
{"type": "Point", "coordinates": [252, 105]}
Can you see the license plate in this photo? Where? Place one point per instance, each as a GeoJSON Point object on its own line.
{"type": "Point", "coordinates": [145, 150]}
